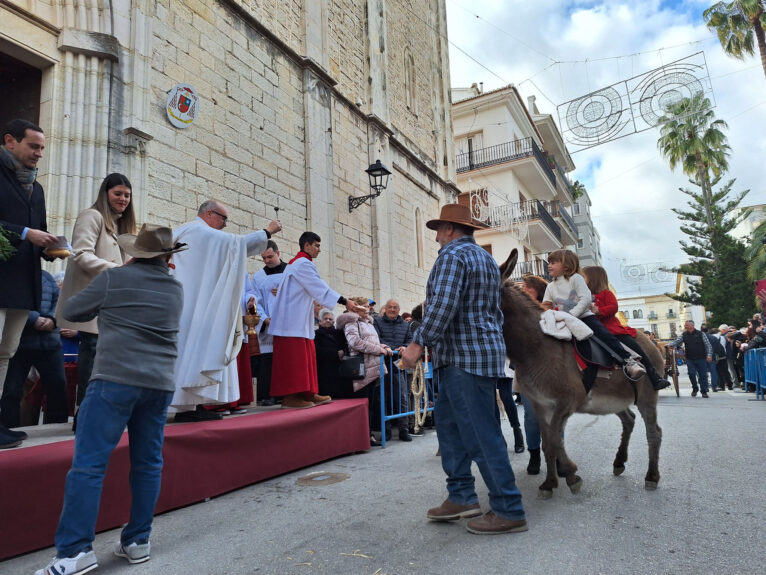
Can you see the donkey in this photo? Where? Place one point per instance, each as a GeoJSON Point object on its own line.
{"type": "Point", "coordinates": [548, 376]}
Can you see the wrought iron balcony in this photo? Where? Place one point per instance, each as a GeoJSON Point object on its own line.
{"type": "Point", "coordinates": [652, 315]}
{"type": "Point", "coordinates": [535, 268]}
{"type": "Point", "coordinates": [517, 149]}
{"type": "Point", "coordinates": [564, 179]}
{"type": "Point", "coordinates": [560, 212]}
{"type": "Point", "coordinates": [671, 315]}
{"type": "Point", "coordinates": [537, 210]}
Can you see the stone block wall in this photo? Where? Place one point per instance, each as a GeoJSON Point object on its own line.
{"type": "Point", "coordinates": [246, 146]}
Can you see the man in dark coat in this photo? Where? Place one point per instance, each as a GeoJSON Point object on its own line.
{"type": "Point", "coordinates": [395, 333]}
{"type": "Point", "coordinates": [23, 222]}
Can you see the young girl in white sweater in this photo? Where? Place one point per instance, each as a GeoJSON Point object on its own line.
{"type": "Point", "coordinates": [568, 292]}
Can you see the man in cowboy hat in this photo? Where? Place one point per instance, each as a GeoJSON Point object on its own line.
{"type": "Point", "coordinates": [139, 308]}
{"type": "Point", "coordinates": [462, 324]}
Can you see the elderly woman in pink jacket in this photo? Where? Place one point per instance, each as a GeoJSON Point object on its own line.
{"type": "Point", "coordinates": [362, 338]}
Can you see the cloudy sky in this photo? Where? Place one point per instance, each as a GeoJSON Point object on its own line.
{"type": "Point", "coordinates": [560, 50]}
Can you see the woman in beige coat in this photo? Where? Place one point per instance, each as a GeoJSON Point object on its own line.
{"type": "Point", "coordinates": [362, 338]}
{"type": "Point", "coordinates": [95, 249]}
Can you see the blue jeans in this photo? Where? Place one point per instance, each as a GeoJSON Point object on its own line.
{"type": "Point", "coordinates": [698, 367]}
{"type": "Point", "coordinates": [531, 426]}
{"type": "Point", "coordinates": [105, 411]}
{"type": "Point", "coordinates": [711, 367]}
{"type": "Point", "coordinates": [468, 430]}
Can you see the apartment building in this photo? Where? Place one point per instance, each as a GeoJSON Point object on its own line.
{"type": "Point", "coordinates": [588, 238]}
{"type": "Point", "coordinates": [661, 314]}
{"type": "Point", "coordinates": [512, 164]}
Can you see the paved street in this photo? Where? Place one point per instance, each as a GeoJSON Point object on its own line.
{"type": "Point", "coordinates": [706, 517]}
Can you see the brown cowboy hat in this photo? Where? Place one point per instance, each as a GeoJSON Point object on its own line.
{"type": "Point", "coordinates": [152, 241]}
{"type": "Point", "coordinates": [455, 214]}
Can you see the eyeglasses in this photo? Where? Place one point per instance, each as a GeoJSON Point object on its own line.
{"type": "Point", "coordinates": [220, 215]}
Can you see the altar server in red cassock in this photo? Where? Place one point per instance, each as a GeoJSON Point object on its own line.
{"type": "Point", "coordinates": [294, 372]}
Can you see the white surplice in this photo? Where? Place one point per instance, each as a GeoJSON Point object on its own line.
{"type": "Point", "coordinates": [292, 312]}
{"type": "Point", "coordinates": [262, 283]}
{"type": "Point", "coordinates": [212, 272]}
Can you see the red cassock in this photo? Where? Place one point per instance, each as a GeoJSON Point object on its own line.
{"type": "Point", "coordinates": [294, 366]}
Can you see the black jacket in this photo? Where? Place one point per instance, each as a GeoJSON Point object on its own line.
{"type": "Point", "coordinates": [394, 333]}
{"type": "Point", "coordinates": [20, 277]}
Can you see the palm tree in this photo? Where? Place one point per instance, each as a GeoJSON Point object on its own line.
{"type": "Point", "coordinates": [737, 24]}
{"type": "Point", "coordinates": [692, 137]}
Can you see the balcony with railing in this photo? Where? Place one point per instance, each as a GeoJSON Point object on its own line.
{"type": "Point", "coordinates": [529, 220]}
{"type": "Point", "coordinates": [565, 184]}
{"type": "Point", "coordinates": [558, 211]}
{"type": "Point", "coordinates": [671, 315]}
{"type": "Point", "coordinates": [529, 164]}
{"type": "Point", "coordinates": [535, 268]}
{"type": "Point", "coordinates": [652, 315]}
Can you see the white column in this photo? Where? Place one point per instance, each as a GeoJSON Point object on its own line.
{"type": "Point", "coordinates": [320, 196]}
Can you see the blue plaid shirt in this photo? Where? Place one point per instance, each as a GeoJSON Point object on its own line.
{"type": "Point", "coordinates": [462, 322]}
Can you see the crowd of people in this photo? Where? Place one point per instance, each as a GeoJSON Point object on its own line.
{"type": "Point", "coordinates": [715, 358]}
{"type": "Point", "coordinates": [158, 316]}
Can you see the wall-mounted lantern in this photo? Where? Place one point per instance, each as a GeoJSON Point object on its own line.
{"type": "Point", "coordinates": [378, 175]}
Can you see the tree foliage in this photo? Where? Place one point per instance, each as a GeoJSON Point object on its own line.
{"type": "Point", "coordinates": [578, 189]}
{"type": "Point", "coordinates": [6, 248]}
{"type": "Point", "coordinates": [691, 137]}
{"type": "Point", "coordinates": [739, 26]}
{"type": "Point", "coordinates": [715, 257]}
{"type": "Point", "coordinates": [756, 254]}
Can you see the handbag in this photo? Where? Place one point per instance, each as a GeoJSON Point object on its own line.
{"type": "Point", "coordinates": [352, 367]}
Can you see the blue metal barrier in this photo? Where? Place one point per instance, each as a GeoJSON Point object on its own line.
{"type": "Point", "coordinates": [755, 371]}
{"type": "Point", "coordinates": [396, 398]}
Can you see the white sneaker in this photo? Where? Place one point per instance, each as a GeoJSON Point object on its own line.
{"type": "Point", "coordinates": [134, 553]}
{"type": "Point", "coordinates": [634, 370]}
{"type": "Point", "coordinates": [81, 563]}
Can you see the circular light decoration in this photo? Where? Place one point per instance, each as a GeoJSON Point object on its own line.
{"type": "Point", "coordinates": [183, 105]}
{"type": "Point", "coordinates": [596, 117]}
{"type": "Point", "coordinates": [662, 91]}
{"type": "Point", "coordinates": [633, 274]}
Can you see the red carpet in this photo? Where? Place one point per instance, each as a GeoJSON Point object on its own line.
{"type": "Point", "coordinates": [201, 460]}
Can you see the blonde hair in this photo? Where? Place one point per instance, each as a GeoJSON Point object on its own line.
{"type": "Point", "coordinates": [596, 278]}
{"type": "Point", "coordinates": [569, 261]}
{"type": "Point", "coordinates": [363, 301]}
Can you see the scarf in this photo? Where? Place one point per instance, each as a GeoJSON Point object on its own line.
{"type": "Point", "coordinates": [301, 254]}
{"type": "Point", "coordinates": [25, 176]}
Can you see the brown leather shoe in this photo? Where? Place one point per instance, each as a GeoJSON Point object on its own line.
{"type": "Point", "coordinates": [296, 402]}
{"type": "Point", "coordinates": [315, 398]}
{"type": "Point", "coordinates": [491, 524]}
{"type": "Point", "coordinates": [449, 511]}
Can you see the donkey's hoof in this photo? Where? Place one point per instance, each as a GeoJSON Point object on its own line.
{"type": "Point", "coordinates": [618, 470]}
{"type": "Point", "coordinates": [650, 485]}
{"type": "Point", "coordinates": [577, 485]}
{"type": "Point", "coordinates": [544, 493]}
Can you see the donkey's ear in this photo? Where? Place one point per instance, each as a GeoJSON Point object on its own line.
{"type": "Point", "coordinates": [506, 269]}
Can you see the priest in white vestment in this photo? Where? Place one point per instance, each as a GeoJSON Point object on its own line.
{"type": "Point", "coordinates": [210, 337]}
{"type": "Point", "coordinates": [294, 370]}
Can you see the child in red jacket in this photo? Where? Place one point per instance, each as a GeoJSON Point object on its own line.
{"type": "Point", "coordinates": [605, 307]}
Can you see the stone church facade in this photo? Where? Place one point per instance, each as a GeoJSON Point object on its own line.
{"type": "Point", "coordinates": [296, 99]}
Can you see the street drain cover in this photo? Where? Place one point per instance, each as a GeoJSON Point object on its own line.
{"type": "Point", "coordinates": [322, 478]}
